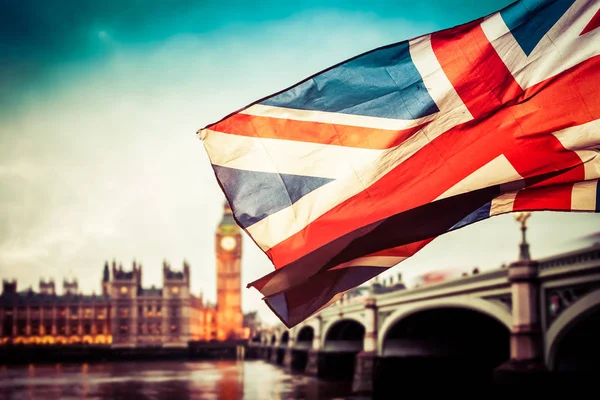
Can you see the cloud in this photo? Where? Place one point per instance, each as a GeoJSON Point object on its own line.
{"type": "Point", "coordinates": [39, 39]}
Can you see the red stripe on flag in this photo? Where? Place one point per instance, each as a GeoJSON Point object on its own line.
{"type": "Point", "coordinates": [593, 24]}
{"type": "Point", "coordinates": [573, 100]}
{"type": "Point", "coordinates": [466, 52]}
{"type": "Point", "coordinates": [315, 132]}
{"type": "Point", "coordinates": [517, 131]}
{"type": "Point", "coordinates": [547, 198]}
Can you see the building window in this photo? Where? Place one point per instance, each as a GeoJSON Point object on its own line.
{"type": "Point", "coordinates": [123, 289]}
{"type": "Point", "coordinates": [123, 329]}
{"type": "Point", "coordinates": [140, 311]}
{"type": "Point", "coordinates": [173, 328]}
{"type": "Point", "coordinates": [100, 313]}
{"type": "Point", "coordinates": [123, 312]}
{"type": "Point", "coordinates": [175, 290]}
{"type": "Point", "coordinates": [87, 312]}
{"type": "Point", "coordinates": [158, 312]}
{"type": "Point", "coordinates": [174, 311]}
{"type": "Point", "coordinates": [21, 328]}
{"type": "Point", "coordinates": [74, 312]}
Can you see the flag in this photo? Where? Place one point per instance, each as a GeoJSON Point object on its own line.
{"type": "Point", "coordinates": [358, 167]}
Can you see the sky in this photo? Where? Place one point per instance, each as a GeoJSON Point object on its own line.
{"type": "Point", "coordinates": [99, 107]}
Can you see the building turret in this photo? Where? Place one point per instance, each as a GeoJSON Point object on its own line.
{"type": "Point", "coordinates": [9, 286]}
{"type": "Point", "coordinates": [47, 287]}
{"type": "Point", "coordinates": [186, 272]}
{"type": "Point", "coordinates": [105, 273]}
{"type": "Point", "coordinates": [137, 272]}
{"type": "Point", "coordinates": [71, 287]}
{"type": "Point", "coordinates": [105, 280]}
{"type": "Point", "coordinates": [176, 281]}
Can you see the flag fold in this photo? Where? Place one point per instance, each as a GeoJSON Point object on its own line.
{"type": "Point", "coordinates": [358, 167]}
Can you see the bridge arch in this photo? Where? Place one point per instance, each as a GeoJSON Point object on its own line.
{"type": "Point", "coordinates": [583, 308]}
{"type": "Point", "coordinates": [447, 340]}
{"type": "Point", "coordinates": [344, 334]}
{"type": "Point", "coordinates": [475, 304]}
{"type": "Point", "coordinates": [284, 339]}
{"type": "Point", "coordinates": [304, 337]}
{"type": "Point", "coordinates": [257, 338]}
{"type": "Point", "coordinates": [342, 340]}
{"type": "Point", "coordinates": [332, 323]}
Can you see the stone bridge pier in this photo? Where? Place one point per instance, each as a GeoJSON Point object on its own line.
{"type": "Point", "coordinates": [335, 357]}
{"type": "Point", "coordinates": [297, 352]}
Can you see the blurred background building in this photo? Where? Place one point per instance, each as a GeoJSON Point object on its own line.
{"type": "Point", "coordinates": [125, 314]}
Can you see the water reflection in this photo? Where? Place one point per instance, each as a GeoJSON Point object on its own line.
{"type": "Point", "coordinates": [164, 380]}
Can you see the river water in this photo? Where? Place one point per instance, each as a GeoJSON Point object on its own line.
{"type": "Point", "coordinates": [171, 380]}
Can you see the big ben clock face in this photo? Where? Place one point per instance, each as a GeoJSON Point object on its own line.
{"type": "Point", "coordinates": [228, 243]}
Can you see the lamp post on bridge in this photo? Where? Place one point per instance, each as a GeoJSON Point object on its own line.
{"type": "Point", "coordinates": [526, 362]}
{"type": "Point", "coordinates": [522, 217]}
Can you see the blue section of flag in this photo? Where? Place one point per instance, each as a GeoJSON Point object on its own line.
{"type": "Point", "coordinates": [481, 213]}
{"type": "Point", "coordinates": [256, 195]}
{"type": "Point", "coordinates": [383, 83]}
{"type": "Point", "coordinates": [279, 305]}
{"type": "Point", "coordinates": [530, 20]}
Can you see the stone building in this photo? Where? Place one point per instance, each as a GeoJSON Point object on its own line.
{"type": "Point", "coordinates": [168, 316]}
{"type": "Point", "coordinates": [125, 315]}
{"type": "Point", "coordinates": [128, 315]}
{"type": "Point", "coordinates": [43, 317]}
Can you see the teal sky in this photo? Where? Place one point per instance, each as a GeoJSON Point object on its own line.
{"type": "Point", "coordinates": [100, 102]}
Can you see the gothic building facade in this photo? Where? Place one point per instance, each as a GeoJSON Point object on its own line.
{"type": "Point", "coordinates": [128, 315]}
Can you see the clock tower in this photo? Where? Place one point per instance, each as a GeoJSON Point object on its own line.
{"type": "Point", "coordinates": [229, 280]}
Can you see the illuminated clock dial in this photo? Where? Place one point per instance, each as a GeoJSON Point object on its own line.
{"type": "Point", "coordinates": [228, 243]}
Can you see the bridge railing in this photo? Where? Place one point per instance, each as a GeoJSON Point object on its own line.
{"type": "Point", "coordinates": [575, 257]}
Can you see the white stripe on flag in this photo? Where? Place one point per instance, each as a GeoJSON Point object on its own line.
{"type": "Point", "coordinates": [585, 141]}
{"type": "Point", "coordinates": [437, 83]}
{"type": "Point", "coordinates": [497, 171]}
{"type": "Point", "coordinates": [583, 196]}
{"type": "Point", "coordinates": [503, 203]}
{"type": "Point", "coordinates": [371, 261]}
{"type": "Point", "coordinates": [560, 49]}
{"type": "Point", "coordinates": [326, 117]}
{"type": "Point", "coordinates": [287, 156]}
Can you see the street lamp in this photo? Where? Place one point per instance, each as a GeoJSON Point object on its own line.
{"type": "Point", "coordinates": [522, 218]}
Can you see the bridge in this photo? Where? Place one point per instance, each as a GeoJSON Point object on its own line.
{"type": "Point", "coordinates": [529, 319]}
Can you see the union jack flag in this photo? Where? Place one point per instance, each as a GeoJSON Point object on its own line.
{"type": "Point", "coordinates": [358, 167]}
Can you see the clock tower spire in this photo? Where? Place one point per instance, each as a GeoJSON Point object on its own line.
{"type": "Point", "coordinates": [229, 255]}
